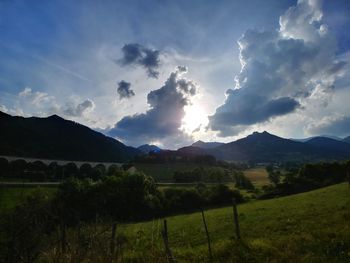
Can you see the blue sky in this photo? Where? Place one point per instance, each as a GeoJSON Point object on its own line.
{"type": "Point", "coordinates": [66, 58]}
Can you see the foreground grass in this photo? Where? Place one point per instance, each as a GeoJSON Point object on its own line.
{"type": "Point", "coordinates": [308, 227]}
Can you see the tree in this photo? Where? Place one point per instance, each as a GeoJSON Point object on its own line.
{"type": "Point", "coordinates": [54, 171]}
{"type": "Point", "coordinates": [25, 231]}
{"type": "Point", "coordinates": [70, 170]}
{"type": "Point", "coordinates": [85, 171]}
{"type": "Point", "coordinates": [36, 171]}
{"type": "Point", "coordinates": [114, 170]}
{"type": "Point", "coordinates": [348, 171]}
{"type": "Point", "coordinates": [4, 166]}
{"type": "Point", "coordinates": [275, 177]}
{"type": "Point", "coordinates": [17, 168]}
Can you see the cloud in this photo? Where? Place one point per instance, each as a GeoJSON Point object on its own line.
{"type": "Point", "coordinates": [336, 125]}
{"type": "Point", "coordinates": [3, 108]}
{"type": "Point", "coordinates": [124, 90]}
{"type": "Point", "coordinates": [279, 70]}
{"type": "Point", "coordinates": [163, 120]}
{"type": "Point", "coordinates": [36, 98]}
{"type": "Point", "coordinates": [45, 104]}
{"type": "Point", "coordinates": [80, 109]}
{"type": "Point", "coordinates": [136, 54]}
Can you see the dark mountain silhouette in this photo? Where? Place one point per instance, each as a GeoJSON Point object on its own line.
{"type": "Point", "coordinates": [56, 138]}
{"type": "Point", "coordinates": [330, 144]}
{"type": "Point", "coordinates": [146, 148]}
{"type": "Point", "coordinates": [206, 145]}
{"type": "Point", "coordinates": [265, 147]}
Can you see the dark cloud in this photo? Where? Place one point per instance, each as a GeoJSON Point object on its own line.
{"type": "Point", "coordinates": [331, 126]}
{"type": "Point", "coordinates": [79, 109]}
{"type": "Point", "coordinates": [136, 54]}
{"type": "Point", "coordinates": [124, 90]}
{"type": "Point", "coordinates": [164, 118]}
{"type": "Point", "coordinates": [279, 70]}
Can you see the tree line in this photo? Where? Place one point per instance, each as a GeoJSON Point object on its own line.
{"type": "Point", "coordinates": [213, 174]}
{"type": "Point", "coordinates": [39, 171]}
{"type": "Point", "coordinates": [308, 177]}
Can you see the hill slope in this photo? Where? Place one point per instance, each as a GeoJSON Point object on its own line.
{"type": "Point", "coordinates": [347, 139]}
{"type": "Point", "coordinates": [206, 145]}
{"type": "Point", "coordinates": [330, 144]}
{"type": "Point", "coordinates": [308, 227]}
{"type": "Point", "coordinates": [56, 138]}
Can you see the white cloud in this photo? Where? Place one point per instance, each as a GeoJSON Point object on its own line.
{"type": "Point", "coordinates": [292, 68]}
{"type": "Point", "coordinates": [36, 98]}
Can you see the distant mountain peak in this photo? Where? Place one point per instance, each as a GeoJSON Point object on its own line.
{"type": "Point", "coordinates": [55, 117]}
{"type": "Point", "coordinates": [146, 148]}
{"type": "Point", "coordinates": [206, 145]}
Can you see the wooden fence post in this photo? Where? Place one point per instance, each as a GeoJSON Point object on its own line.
{"type": "Point", "coordinates": [112, 244]}
{"type": "Point", "coordinates": [63, 237]}
{"type": "Point", "coordinates": [166, 242]}
{"type": "Point", "coordinates": [235, 217]}
{"type": "Point", "coordinates": [208, 237]}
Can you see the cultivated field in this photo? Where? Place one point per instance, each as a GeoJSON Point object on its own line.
{"type": "Point", "coordinates": [258, 176]}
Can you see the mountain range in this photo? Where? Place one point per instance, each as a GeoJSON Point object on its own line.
{"type": "Point", "coordinates": [266, 147]}
{"type": "Point", "coordinates": [56, 138]}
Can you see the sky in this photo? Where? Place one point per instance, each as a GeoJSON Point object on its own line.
{"type": "Point", "coordinates": [170, 72]}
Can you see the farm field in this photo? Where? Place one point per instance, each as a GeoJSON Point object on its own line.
{"type": "Point", "coordinates": [308, 227]}
{"type": "Point", "coordinates": [258, 176]}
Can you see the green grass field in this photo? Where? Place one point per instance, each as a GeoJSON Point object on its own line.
{"type": "Point", "coordinates": [12, 196]}
{"type": "Point", "coordinates": [308, 227]}
{"type": "Point", "coordinates": [258, 176]}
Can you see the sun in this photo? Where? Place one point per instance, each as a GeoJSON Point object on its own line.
{"type": "Point", "coordinates": [195, 119]}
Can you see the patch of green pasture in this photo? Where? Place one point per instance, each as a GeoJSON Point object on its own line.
{"type": "Point", "coordinates": [11, 196]}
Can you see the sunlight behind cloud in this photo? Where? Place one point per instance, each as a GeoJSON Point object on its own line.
{"type": "Point", "coordinates": [195, 119]}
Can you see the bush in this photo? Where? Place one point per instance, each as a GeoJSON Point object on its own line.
{"type": "Point", "coordinates": [25, 231]}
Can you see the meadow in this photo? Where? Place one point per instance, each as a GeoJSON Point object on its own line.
{"type": "Point", "coordinates": [12, 196]}
{"type": "Point", "coordinates": [307, 227]}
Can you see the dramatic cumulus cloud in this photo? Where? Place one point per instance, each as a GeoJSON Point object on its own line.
{"type": "Point", "coordinates": [279, 70]}
{"type": "Point", "coordinates": [164, 118]}
{"type": "Point", "coordinates": [136, 54]}
{"type": "Point", "coordinates": [124, 90]}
